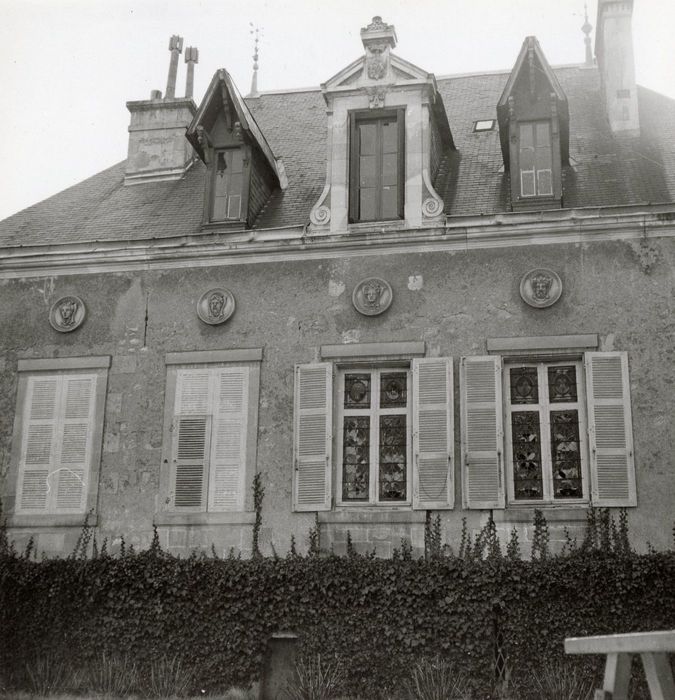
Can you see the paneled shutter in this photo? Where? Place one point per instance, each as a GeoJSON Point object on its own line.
{"type": "Point", "coordinates": [312, 440]}
{"type": "Point", "coordinates": [482, 432]}
{"type": "Point", "coordinates": [610, 429]}
{"type": "Point", "coordinates": [38, 446]}
{"type": "Point", "coordinates": [191, 438]}
{"type": "Point", "coordinates": [228, 450]}
{"type": "Point", "coordinates": [74, 443]}
{"type": "Point", "coordinates": [433, 430]}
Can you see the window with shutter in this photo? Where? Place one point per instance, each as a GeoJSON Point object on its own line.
{"type": "Point", "coordinates": [210, 438]}
{"type": "Point", "coordinates": [58, 428]}
{"type": "Point", "coordinates": [387, 429]}
{"type": "Point", "coordinates": [566, 433]}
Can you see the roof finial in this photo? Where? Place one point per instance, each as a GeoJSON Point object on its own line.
{"type": "Point", "coordinates": [586, 29]}
{"type": "Point", "coordinates": [254, 80]}
{"type": "Point", "coordinates": [191, 57]}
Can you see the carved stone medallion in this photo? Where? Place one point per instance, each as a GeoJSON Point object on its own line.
{"type": "Point", "coordinates": [67, 314]}
{"type": "Point", "coordinates": [372, 296]}
{"type": "Point", "coordinates": [540, 288]}
{"type": "Point", "coordinates": [215, 306]}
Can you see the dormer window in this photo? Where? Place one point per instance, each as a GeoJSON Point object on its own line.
{"type": "Point", "coordinates": [376, 166]}
{"type": "Point", "coordinates": [227, 185]}
{"type": "Point", "coordinates": [242, 172]}
{"type": "Point", "coordinates": [534, 131]}
{"type": "Point", "coordinates": [534, 162]}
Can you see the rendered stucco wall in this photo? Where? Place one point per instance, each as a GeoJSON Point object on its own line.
{"type": "Point", "coordinates": [623, 291]}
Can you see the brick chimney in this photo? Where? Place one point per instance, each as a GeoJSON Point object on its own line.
{"type": "Point", "coordinates": [158, 149]}
{"type": "Point", "coordinates": [614, 52]}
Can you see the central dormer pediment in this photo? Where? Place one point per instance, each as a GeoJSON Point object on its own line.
{"type": "Point", "coordinates": [388, 133]}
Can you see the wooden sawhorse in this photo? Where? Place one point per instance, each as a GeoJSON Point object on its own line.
{"type": "Point", "coordinates": [653, 647]}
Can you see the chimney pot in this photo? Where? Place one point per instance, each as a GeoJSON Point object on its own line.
{"type": "Point", "coordinates": [175, 46]}
{"type": "Point", "coordinates": [155, 94]}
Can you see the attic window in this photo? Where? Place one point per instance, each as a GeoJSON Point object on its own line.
{"type": "Point", "coordinates": [228, 182]}
{"type": "Point", "coordinates": [484, 125]}
{"type": "Point", "coordinates": [376, 166]}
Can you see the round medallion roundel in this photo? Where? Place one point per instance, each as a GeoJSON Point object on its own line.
{"type": "Point", "coordinates": [372, 296]}
{"type": "Point", "coordinates": [67, 314]}
{"type": "Point", "coordinates": [540, 287]}
{"type": "Point", "coordinates": [215, 306]}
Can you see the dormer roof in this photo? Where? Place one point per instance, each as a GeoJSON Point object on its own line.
{"type": "Point", "coordinates": [533, 75]}
{"type": "Point", "coordinates": [222, 96]}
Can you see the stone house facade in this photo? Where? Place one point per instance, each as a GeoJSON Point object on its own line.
{"type": "Point", "coordinates": [394, 296]}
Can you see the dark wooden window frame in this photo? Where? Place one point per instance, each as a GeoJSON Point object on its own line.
{"type": "Point", "coordinates": [374, 115]}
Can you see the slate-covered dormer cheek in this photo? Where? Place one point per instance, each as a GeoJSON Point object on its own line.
{"type": "Point", "coordinates": [387, 136]}
{"type": "Point", "coordinates": [242, 171]}
{"type": "Point", "coordinates": [534, 131]}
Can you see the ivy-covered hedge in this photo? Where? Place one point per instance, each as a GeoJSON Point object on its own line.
{"type": "Point", "coordinates": [378, 616]}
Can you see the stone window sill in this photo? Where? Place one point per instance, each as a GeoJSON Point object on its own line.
{"type": "Point", "coordinates": [43, 520]}
{"type": "Point", "coordinates": [343, 517]}
{"type": "Point", "coordinates": [167, 518]}
{"type": "Point", "coordinates": [552, 514]}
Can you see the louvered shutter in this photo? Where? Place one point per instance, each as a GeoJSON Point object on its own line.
{"type": "Point", "coordinates": [610, 429]}
{"type": "Point", "coordinates": [482, 432]}
{"type": "Point", "coordinates": [313, 437]}
{"type": "Point", "coordinates": [229, 426]}
{"type": "Point", "coordinates": [433, 431]}
{"type": "Point", "coordinates": [38, 446]}
{"type": "Point", "coordinates": [191, 439]}
{"type": "Point", "coordinates": [74, 443]}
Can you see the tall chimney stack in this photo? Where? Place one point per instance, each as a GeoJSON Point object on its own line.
{"type": "Point", "coordinates": [175, 46]}
{"type": "Point", "coordinates": [158, 149]}
{"type": "Point", "coordinates": [191, 57]}
{"type": "Point", "coordinates": [614, 52]}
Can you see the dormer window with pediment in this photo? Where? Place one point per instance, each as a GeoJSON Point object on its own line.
{"type": "Point", "coordinates": [534, 131]}
{"type": "Point", "coordinates": [388, 134]}
{"type": "Point", "coordinates": [242, 171]}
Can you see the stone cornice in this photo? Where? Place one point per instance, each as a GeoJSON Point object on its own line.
{"type": "Point", "coordinates": [457, 233]}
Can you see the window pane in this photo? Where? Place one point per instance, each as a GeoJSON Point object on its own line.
{"type": "Point", "coordinates": [524, 387]}
{"type": "Point", "coordinates": [526, 438]}
{"type": "Point", "coordinates": [565, 456]}
{"type": "Point", "coordinates": [544, 184]}
{"type": "Point", "coordinates": [390, 137]}
{"type": "Point", "coordinates": [234, 207]}
{"type": "Point", "coordinates": [526, 135]}
{"type": "Point", "coordinates": [368, 138]}
{"type": "Point", "coordinates": [393, 390]}
{"type": "Point", "coordinates": [389, 169]}
{"type": "Point", "coordinates": [236, 160]}
{"type": "Point", "coordinates": [392, 479]}
{"type": "Point", "coordinates": [368, 171]}
{"type": "Point", "coordinates": [543, 158]}
{"type": "Point", "coordinates": [368, 204]}
{"type": "Point", "coordinates": [357, 391]}
{"type": "Point", "coordinates": [562, 384]}
{"type": "Point", "coordinates": [527, 184]}
{"type": "Point", "coordinates": [389, 203]}
{"type": "Point", "coordinates": [355, 458]}
{"type": "Point", "coordinates": [543, 137]}
{"type": "Point", "coordinates": [527, 159]}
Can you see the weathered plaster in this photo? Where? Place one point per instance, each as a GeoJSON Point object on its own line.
{"type": "Point", "coordinates": [466, 298]}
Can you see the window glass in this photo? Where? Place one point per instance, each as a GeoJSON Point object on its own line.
{"type": "Point", "coordinates": [376, 186]}
{"type": "Point", "coordinates": [546, 455]}
{"type": "Point", "coordinates": [374, 459]}
{"type": "Point", "coordinates": [227, 187]}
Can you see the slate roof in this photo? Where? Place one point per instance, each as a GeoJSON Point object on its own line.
{"type": "Point", "coordinates": [605, 169]}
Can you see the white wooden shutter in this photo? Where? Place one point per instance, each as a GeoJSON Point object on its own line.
{"type": "Point", "coordinates": [433, 430]}
{"type": "Point", "coordinates": [74, 442]}
{"type": "Point", "coordinates": [191, 439]}
{"type": "Point", "coordinates": [312, 440]}
{"type": "Point", "coordinates": [610, 429]}
{"type": "Point", "coordinates": [38, 444]}
{"type": "Point", "coordinates": [482, 432]}
{"type": "Point", "coordinates": [229, 429]}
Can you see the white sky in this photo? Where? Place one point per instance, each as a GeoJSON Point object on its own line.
{"type": "Point", "coordinates": [67, 67]}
